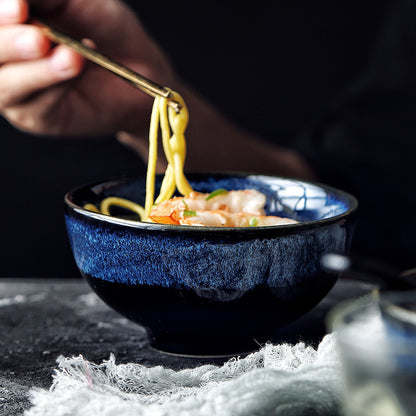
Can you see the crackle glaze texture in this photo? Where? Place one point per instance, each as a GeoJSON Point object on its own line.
{"type": "Point", "coordinates": [209, 260]}
{"type": "Point", "coordinates": [213, 266]}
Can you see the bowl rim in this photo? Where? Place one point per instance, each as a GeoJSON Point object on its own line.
{"type": "Point", "coordinates": [351, 200]}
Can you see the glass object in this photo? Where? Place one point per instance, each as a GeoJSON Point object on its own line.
{"type": "Point", "coordinates": [376, 335]}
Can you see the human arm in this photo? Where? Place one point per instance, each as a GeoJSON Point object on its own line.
{"type": "Point", "coordinates": [63, 95]}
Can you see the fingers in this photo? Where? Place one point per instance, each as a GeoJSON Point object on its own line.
{"type": "Point", "coordinates": [20, 80]}
{"type": "Point", "coordinates": [27, 64]}
{"type": "Point", "coordinates": [17, 11]}
{"type": "Point", "coordinates": [20, 42]}
{"type": "Point", "coordinates": [13, 11]}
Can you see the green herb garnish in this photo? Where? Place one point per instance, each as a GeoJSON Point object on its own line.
{"type": "Point", "coordinates": [253, 222]}
{"type": "Point", "coordinates": [216, 193]}
{"type": "Point", "coordinates": [187, 213]}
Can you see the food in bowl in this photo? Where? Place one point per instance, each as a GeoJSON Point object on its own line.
{"type": "Point", "coordinates": [211, 290]}
{"type": "Point", "coordinates": [220, 208]}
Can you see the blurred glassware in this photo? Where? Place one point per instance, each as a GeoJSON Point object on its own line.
{"type": "Point", "coordinates": [376, 335]}
{"type": "Point", "coordinates": [385, 276]}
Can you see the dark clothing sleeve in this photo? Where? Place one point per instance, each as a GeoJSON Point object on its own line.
{"type": "Point", "coordinates": [366, 143]}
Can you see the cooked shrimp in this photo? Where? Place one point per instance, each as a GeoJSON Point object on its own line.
{"type": "Point", "coordinates": [248, 200]}
{"type": "Point", "coordinates": [222, 218]}
{"type": "Point", "coordinates": [219, 209]}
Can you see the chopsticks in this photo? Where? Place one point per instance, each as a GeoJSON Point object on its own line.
{"type": "Point", "coordinates": [137, 80]}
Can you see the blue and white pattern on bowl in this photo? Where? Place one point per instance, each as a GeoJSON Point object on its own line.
{"type": "Point", "coordinates": [213, 265]}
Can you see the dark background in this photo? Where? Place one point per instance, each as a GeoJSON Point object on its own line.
{"type": "Point", "coordinates": [297, 56]}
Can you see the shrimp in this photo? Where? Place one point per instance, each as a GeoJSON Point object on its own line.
{"type": "Point", "coordinates": [248, 200]}
{"type": "Point", "coordinates": [221, 208]}
{"type": "Point", "coordinates": [222, 218]}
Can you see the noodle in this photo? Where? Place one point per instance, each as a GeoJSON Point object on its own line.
{"type": "Point", "coordinates": [172, 126]}
{"type": "Point", "coordinates": [123, 203]}
{"type": "Point", "coordinates": [230, 208]}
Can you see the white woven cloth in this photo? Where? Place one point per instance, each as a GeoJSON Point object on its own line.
{"type": "Point", "coordinates": [277, 380]}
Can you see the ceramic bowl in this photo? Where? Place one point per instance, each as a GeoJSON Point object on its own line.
{"type": "Point", "coordinates": [208, 290]}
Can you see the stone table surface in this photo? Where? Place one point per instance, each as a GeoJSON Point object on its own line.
{"type": "Point", "coordinates": [41, 319]}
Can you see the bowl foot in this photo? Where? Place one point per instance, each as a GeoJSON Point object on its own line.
{"type": "Point", "coordinates": [205, 347]}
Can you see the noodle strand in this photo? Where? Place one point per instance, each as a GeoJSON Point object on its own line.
{"type": "Point", "coordinates": [172, 126]}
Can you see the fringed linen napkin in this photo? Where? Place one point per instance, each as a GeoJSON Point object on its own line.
{"type": "Point", "coordinates": [281, 379]}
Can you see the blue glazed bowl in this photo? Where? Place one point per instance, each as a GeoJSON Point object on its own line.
{"type": "Point", "coordinates": [208, 290]}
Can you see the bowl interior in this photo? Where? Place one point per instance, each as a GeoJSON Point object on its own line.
{"type": "Point", "coordinates": [285, 197]}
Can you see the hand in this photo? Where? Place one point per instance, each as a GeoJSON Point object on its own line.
{"type": "Point", "coordinates": [49, 89]}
